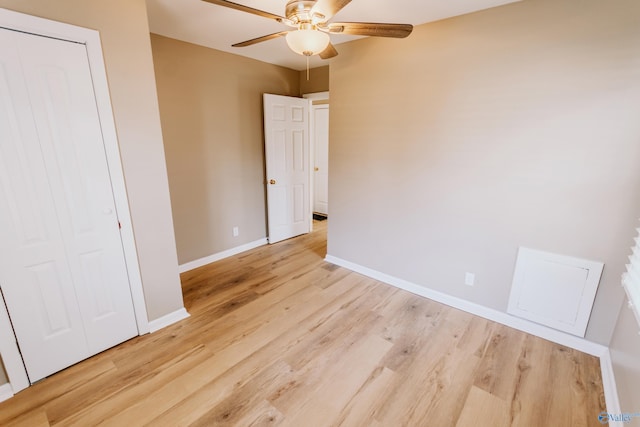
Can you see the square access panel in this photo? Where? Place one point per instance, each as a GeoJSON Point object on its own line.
{"type": "Point", "coordinates": [554, 290]}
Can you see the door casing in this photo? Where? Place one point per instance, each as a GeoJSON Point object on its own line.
{"type": "Point", "coordinates": [320, 150]}
{"type": "Point", "coordinates": [11, 20]}
{"type": "Point", "coordinates": [320, 97]}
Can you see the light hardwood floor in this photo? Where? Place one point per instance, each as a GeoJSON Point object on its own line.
{"type": "Point", "coordinates": [277, 336]}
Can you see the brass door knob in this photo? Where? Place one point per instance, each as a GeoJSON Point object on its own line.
{"type": "Point", "coordinates": [316, 169]}
{"type": "Point", "coordinates": [272, 182]}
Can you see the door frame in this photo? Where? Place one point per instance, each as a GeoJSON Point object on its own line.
{"type": "Point", "coordinates": [314, 147]}
{"type": "Point", "coordinates": [313, 97]}
{"type": "Point", "coordinates": [16, 372]}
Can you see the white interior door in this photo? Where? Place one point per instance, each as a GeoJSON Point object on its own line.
{"type": "Point", "coordinates": [321, 159]}
{"type": "Point", "coordinates": [286, 126]}
{"type": "Point", "coordinates": [62, 268]}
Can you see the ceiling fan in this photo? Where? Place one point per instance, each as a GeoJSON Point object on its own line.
{"type": "Point", "coordinates": [310, 18]}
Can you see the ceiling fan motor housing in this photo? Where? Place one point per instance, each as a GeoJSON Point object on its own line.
{"type": "Point", "coordinates": [299, 11]}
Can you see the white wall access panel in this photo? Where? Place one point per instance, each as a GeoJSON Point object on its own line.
{"type": "Point", "coordinates": [554, 290]}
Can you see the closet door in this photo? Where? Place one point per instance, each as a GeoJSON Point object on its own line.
{"type": "Point", "coordinates": [62, 269]}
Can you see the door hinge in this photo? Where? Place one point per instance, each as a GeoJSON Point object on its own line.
{"type": "Point", "coordinates": [119, 225]}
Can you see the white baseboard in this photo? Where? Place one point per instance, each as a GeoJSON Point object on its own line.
{"type": "Point", "coordinates": [506, 319]}
{"type": "Point", "coordinates": [6, 392]}
{"type": "Point", "coordinates": [220, 255]}
{"type": "Point", "coordinates": [580, 344]}
{"type": "Point", "coordinates": [169, 319]}
{"type": "Point", "coordinates": [610, 388]}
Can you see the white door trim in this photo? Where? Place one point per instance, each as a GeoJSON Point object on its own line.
{"type": "Point", "coordinates": [317, 96]}
{"type": "Point", "coordinates": [91, 38]}
{"type": "Point", "coordinates": [313, 151]}
{"type": "Point", "coordinates": [314, 96]}
{"type": "Point", "coordinates": [312, 161]}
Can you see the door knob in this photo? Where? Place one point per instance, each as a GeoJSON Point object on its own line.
{"type": "Point", "coordinates": [272, 182]}
{"type": "Point", "coordinates": [316, 169]}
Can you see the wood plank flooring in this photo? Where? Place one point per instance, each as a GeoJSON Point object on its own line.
{"type": "Point", "coordinates": [278, 337]}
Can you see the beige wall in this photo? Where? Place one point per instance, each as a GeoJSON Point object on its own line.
{"type": "Point", "coordinates": [211, 109]}
{"type": "Point", "coordinates": [625, 354]}
{"type": "Point", "coordinates": [318, 80]}
{"type": "Point", "coordinates": [125, 39]}
{"type": "Point", "coordinates": [513, 126]}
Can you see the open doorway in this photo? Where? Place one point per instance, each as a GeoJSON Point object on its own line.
{"type": "Point", "coordinates": [319, 139]}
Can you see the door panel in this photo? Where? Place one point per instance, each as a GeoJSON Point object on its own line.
{"type": "Point", "coordinates": [62, 268]}
{"type": "Point", "coordinates": [32, 257]}
{"type": "Point", "coordinates": [287, 164]}
{"type": "Point", "coordinates": [64, 107]}
{"type": "Point", "coordinates": [299, 207]}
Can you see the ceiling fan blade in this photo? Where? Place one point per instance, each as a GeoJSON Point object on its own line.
{"type": "Point", "coordinates": [328, 8]}
{"type": "Point", "coordinates": [243, 8]}
{"type": "Point", "coordinates": [369, 29]}
{"type": "Point", "coordinates": [260, 39]}
{"type": "Point", "coordinates": [329, 52]}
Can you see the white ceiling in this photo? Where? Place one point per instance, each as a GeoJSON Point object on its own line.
{"type": "Point", "coordinates": [217, 27]}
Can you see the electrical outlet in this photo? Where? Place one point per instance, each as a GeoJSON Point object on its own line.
{"type": "Point", "coordinates": [469, 278]}
{"type": "Point", "coordinates": [236, 231]}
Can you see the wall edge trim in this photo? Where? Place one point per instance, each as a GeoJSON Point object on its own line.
{"type": "Point", "coordinates": [168, 319]}
{"type": "Point", "coordinates": [506, 319]}
{"type": "Point", "coordinates": [598, 350]}
{"type": "Point", "coordinates": [6, 392]}
{"type": "Point", "coordinates": [610, 388]}
{"type": "Point", "coordinates": [192, 265]}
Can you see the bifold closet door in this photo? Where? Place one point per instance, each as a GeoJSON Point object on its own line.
{"type": "Point", "coordinates": [62, 269]}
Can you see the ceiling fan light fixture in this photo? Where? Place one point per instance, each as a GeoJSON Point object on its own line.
{"type": "Point", "coordinates": [307, 42]}
{"type": "Point", "coordinates": [312, 22]}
